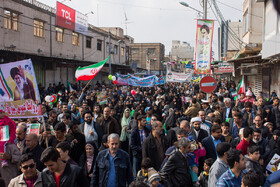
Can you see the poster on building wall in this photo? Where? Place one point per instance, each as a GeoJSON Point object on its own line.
{"type": "Point", "coordinates": [203, 51]}
{"type": "Point", "coordinates": [18, 89]}
{"type": "Point", "coordinates": [69, 18]}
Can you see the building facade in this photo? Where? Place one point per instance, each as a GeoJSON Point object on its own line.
{"type": "Point", "coordinates": [148, 56]}
{"type": "Point", "coordinates": [28, 30]}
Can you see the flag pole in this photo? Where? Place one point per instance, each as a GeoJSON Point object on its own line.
{"type": "Point", "coordinates": [86, 86]}
{"type": "Point", "coordinates": [44, 125]}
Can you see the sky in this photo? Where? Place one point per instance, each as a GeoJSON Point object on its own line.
{"type": "Point", "coordinates": [154, 21]}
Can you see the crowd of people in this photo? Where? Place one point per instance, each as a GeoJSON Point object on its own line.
{"type": "Point", "coordinates": [166, 135]}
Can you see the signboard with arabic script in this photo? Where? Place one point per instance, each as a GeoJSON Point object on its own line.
{"type": "Point", "coordinates": [21, 109]}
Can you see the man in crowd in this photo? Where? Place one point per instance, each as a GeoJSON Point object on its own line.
{"type": "Point", "coordinates": [108, 123]}
{"type": "Point", "coordinates": [155, 145]}
{"type": "Point", "coordinates": [262, 143]}
{"type": "Point", "coordinates": [259, 125]}
{"type": "Point", "coordinates": [205, 125]}
{"type": "Point", "coordinates": [210, 143]}
{"type": "Point", "coordinates": [247, 140]}
{"type": "Point", "coordinates": [233, 176]}
{"type": "Point", "coordinates": [220, 165]}
{"type": "Point", "coordinates": [20, 137]}
{"type": "Point", "coordinates": [112, 167]}
{"type": "Point", "coordinates": [176, 170]}
{"type": "Point", "coordinates": [91, 129]}
{"type": "Point", "coordinates": [64, 149]}
{"type": "Point", "coordinates": [32, 146]}
{"type": "Point", "coordinates": [199, 133]}
{"type": "Point", "coordinates": [77, 142]}
{"type": "Point", "coordinates": [30, 177]}
{"type": "Point", "coordinates": [59, 173]}
{"type": "Point", "coordinates": [138, 135]}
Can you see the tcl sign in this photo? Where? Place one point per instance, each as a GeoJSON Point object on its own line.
{"type": "Point", "coordinates": [65, 16]}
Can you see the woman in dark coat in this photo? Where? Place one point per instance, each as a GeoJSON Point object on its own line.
{"type": "Point", "coordinates": [87, 159]}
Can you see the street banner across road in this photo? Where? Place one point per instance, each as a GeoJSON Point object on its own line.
{"type": "Point", "coordinates": [203, 51]}
{"type": "Point", "coordinates": [208, 84]}
{"type": "Point", "coordinates": [125, 80]}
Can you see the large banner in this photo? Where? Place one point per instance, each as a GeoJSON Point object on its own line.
{"type": "Point", "coordinates": [203, 51]}
{"type": "Point", "coordinates": [172, 76]}
{"type": "Point", "coordinates": [18, 89]}
{"type": "Point", "coordinates": [131, 80]}
{"type": "Point", "coordinates": [69, 18]}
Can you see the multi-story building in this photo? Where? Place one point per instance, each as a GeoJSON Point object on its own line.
{"type": "Point", "coordinates": [28, 30]}
{"type": "Point", "coordinates": [143, 53]}
{"type": "Point", "coordinates": [271, 48]}
{"type": "Point", "coordinates": [181, 52]}
{"type": "Point", "coordinates": [247, 61]}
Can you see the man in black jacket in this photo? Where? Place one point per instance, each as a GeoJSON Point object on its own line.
{"type": "Point", "coordinates": [176, 171]}
{"type": "Point", "coordinates": [138, 135]}
{"type": "Point", "coordinates": [32, 146]}
{"type": "Point", "coordinates": [67, 174]}
{"type": "Point", "coordinates": [155, 145]}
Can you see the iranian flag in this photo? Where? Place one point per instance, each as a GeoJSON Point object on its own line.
{"type": "Point", "coordinates": [69, 86]}
{"type": "Point", "coordinates": [89, 72]}
{"type": "Point", "coordinates": [4, 133]}
{"type": "Point", "coordinates": [241, 87]}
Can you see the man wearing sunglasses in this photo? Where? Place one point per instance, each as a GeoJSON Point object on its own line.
{"type": "Point", "coordinates": [30, 177]}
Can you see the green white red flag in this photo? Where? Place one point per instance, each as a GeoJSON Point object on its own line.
{"type": "Point", "coordinates": [241, 86]}
{"type": "Point", "coordinates": [89, 72]}
{"type": "Point", "coordinates": [4, 133]}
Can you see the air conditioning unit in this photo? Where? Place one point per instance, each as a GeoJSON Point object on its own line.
{"type": "Point", "coordinates": [249, 71]}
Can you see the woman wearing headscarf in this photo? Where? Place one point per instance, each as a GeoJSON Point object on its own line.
{"type": "Point", "coordinates": [87, 159]}
{"type": "Point", "coordinates": [124, 144]}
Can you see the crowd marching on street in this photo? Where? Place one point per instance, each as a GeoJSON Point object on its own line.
{"type": "Point", "coordinates": [171, 135]}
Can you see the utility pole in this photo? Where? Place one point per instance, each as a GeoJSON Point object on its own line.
{"type": "Point", "coordinates": [204, 9]}
{"type": "Point", "coordinates": [110, 53]}
{"type": "Point", "coordinates": [148, 62]}
{"type": "Point", "coordinates": [51, 32]}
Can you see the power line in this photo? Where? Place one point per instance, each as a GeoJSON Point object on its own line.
{"type": "Point", "coordinates": [237, 9]}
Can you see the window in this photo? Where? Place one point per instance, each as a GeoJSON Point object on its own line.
{"type": "Point", "coordinates": [134, 50]}
{"type": "Point", "coordinates": [10, 20]}
{"type": "Point", "coordinates": [115, 49]}
{"type": "Point", "coordinates": [246, 21]}
{"type": "Point", "coordinates": [151, 51]}
{"type": "Point", "coordinates": [99, 45]}
{"type": "Point", "coordinates": [59, 34]}
{"type": "Point", "coordinates": [88, 42]}
{"type": "Point", "coordinates": [38, 28]}
{"type": "Point", "coordinates": [75, 38]}
{"type": "Point", "coordinates": [107, 47]}
{"type": "Point", "coordinates": [122, 51]}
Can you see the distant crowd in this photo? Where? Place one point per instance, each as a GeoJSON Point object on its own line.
{"type": "Point", "coordinates": [167, 135]}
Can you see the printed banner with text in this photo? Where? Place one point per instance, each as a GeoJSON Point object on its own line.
{"type": "Point", "coordinates": [203, 51]}
{"type": "Point", "coordinates": [18, 89]}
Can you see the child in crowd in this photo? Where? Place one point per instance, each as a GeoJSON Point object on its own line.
{"type": "Point", "coordinates": [203, 177]}
{"type": "Point", "coordinates": [142, 174]}
{"type": "Point", "coordinates": [154, 178]}
{"type": "Point", "coordinates": [197, 151]}
{"type": "Point", "coordinates": [6, 125]}
{"type": "Point", "coordinates": [225, 132]}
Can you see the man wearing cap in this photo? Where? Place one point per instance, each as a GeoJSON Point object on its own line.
{"type": "Point", "coordinates": [199, 133]}
{"type": "Point", "coordinates": [193, 108]}
{"type": "Point", "coordinates": [24, 87]}
{"type": "Point", "coordinates": [206, 107]}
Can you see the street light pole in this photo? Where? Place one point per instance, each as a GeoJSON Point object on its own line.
{"type": "Point", "coordinates": [204, 9]}
{"type": "Point", "coordinates": [110, 53]}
